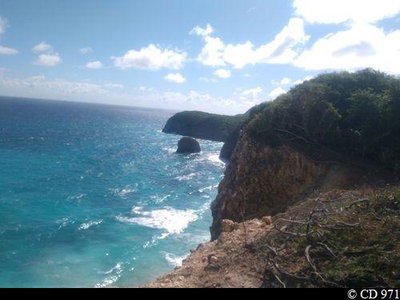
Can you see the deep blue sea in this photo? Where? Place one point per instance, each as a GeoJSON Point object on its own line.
{"type": "Point", "coordinates": [94, 195]}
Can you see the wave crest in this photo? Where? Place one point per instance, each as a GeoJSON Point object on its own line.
{"type": "Point", "coordinates": [85, 226]}
{"type": "Point", "coordinates": [174, 260]}
{"type": "Point", "coordinates": [172, 220]}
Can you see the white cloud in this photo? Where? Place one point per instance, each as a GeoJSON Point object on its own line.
{"type": "Point", "coordinates": [114, 86]}
{"type": "Point", "coordinates": [175, 78]}
{"type": "Point", "coordinates": [145, 89]}
{"type": "Point", "coordinates": [212, 54]}
{"type": "Point", "coordinates": [304, 79]}
{"type": "Point", "coordinates": [40, 86]}
{"type": "Point", "coordinates": [283, 81]}
{"type": "Point", "coordinates": [46, 55]}
{"type": "Point", "coordinates": [42, 47]}
{"type": "Point", "coordinates": [194, 100]}
{"type": "Point", "coordinates": [282, 49]}
{"type": "Point", "coordinates": [361, 46]}
{"type": "Point", "coordinates": [151, 58]}
{"type": "Point", "coordinates": [3, 49]}
{"type": "Point", "coordinates": [86, 50]}
{"type": "Point", "coordinates": [202, 31]}
{"type": "Point", "coordinates": [3, 25]}
{"type": "Point", "coordinates": [7, 51]}
{"type": "Point", "coordinates": [48, 60]}
{"type": "Point", "coordinates": [276, 92]}
{"type": "Point", "coordinates": [208, 79]}
{"type": "Point", "coordinates": [240, 55]}
{"type": "Point", "coordinates": [340, 11]}
{"type": "Point", "coordinates": [289, 81]}
{"type": "Point", "coordinates": [222, 73]}
{"type": "Point", "coordinates": [246, 98]}
{"type": "Point", "coordinates": [286, 80]}
{"type": "Point", "coordinates": [252, 93]}
{"type": "Point", "coordinates": [95, 65]}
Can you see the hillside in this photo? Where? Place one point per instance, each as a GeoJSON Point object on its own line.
{"type": "Point", "coordinates": [323, 160]}
{"type": "Point", "coordinates": [290, 145]}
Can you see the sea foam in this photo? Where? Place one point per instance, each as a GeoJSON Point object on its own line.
{"type": "Point", "coordinates": [113, 275]}
{"type": "Point", "coordinates": [215, 160]}
{"type": "Point", "coordinates": [124, 192]}
{"type": "Point", "coordinates": [174, 260]}
{"type": "Point", "coordinates": [186, 177]}
{"type": "Point", "coordinates": [85, 226]}
{"type": "Point", "coordinates": [172, 220]}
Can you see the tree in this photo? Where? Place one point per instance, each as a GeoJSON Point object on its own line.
{"type": "Point", "coordinates": [355, 114]}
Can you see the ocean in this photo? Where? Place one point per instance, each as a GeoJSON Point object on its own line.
{"type": "Point", "coordinates": [94, 195]}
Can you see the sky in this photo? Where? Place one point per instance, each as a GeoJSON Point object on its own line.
{"type": "Point", "coordinates": [222, 56]}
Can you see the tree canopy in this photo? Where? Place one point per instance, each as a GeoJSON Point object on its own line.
{"type": "Point", "coordinates": [355, 114]}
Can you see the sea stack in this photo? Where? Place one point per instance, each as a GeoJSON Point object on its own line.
{"type": "Point", "coordinates": [188, 145]}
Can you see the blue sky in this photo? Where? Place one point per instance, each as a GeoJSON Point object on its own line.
{"type": "Point", "coordinates": [213, 55]}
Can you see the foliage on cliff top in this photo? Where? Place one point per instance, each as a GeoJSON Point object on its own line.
{"type": "Point", "coordinates": [355, 114]}
{"type": "Point", "coordinates": [203, 125]}
{"type": "Point", "coordinates": [340, 240]}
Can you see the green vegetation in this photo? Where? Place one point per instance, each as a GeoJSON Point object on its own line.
{"type": "Point", "coordinates": [354, 114]}
{"type": "Point", "coordinates": [203, 125]}
{"type": "Point", "coordinates": [345, 240]}
{"type": "Point", "coordinates": [342, 238]}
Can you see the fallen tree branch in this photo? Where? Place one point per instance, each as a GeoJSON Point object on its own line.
{"type": "Point", "coordinates": [358, 202]}
{"type": "Point", "coordinates": [308, 257]}
{"type": "Point", "coordinates": [290, 233]}
{"type": "Point", "coordinates": [280, 281]}
{"type": "Point", "coordinates": [328, 249]}
{"type": "Point", "coordinates": [307, 254]}
{"type": "Point", "coordinates": [272, 249]}
{"type": "Point", "coordinates": [292, 221]}
{"type": "Point", "coordinates": [287, 274]}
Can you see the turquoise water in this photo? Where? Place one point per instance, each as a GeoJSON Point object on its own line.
{"type": "Point", "coordinates": [94, 196]}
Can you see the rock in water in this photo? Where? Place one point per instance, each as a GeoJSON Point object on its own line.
{"type": "Point", "coordinates": [188, 145]}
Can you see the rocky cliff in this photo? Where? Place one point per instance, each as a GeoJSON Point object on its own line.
{"type": "Point", "coordinates": [261, 180]}
{"type": "Point", "coordinates": [321, 162]}
{"type": "Point", "coordinates": [289, 217]}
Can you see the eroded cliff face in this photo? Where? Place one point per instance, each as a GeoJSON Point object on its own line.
{"type": "Point", "coordinates": [262, 180]}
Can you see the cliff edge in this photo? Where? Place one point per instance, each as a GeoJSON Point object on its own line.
{"type": "Point", "coordinates": [341, 238]}
{"type": "Point", "coordinates": [261, 180]}
{"type": "Point", "coordinates": [322, 162]}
